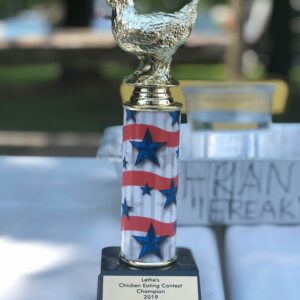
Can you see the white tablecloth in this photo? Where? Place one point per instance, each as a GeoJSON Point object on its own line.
{"type": "Point", "coordinates": [55, 217]}
{"type": "Point", "coordinates": [263, 262]}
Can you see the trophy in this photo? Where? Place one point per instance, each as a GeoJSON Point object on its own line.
{"type": "Point", "coordinates": [148, 265]}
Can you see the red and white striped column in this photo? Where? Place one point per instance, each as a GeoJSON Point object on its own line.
{"type": "Point", "coordinates": [149, 186]}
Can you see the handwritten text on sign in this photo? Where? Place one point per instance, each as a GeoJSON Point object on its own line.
{"type": "Point", "coordinates": [232, 192]}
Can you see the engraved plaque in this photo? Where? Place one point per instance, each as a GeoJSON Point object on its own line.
{"type": "Point", "coordinates": [118, 281]}
{"type": "Point", "coordinates": [150, 287]}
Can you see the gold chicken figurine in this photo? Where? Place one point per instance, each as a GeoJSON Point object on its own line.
{"type": "Point", "coordinates": [153, 38]}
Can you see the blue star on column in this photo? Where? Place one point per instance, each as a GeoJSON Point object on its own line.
{"type": "Point", "coordinates": [170, 194]}
{"type": "Point", "coordinates": [146, 190]}
{"type": "Point", "coordinates": [177, 153]}
{"type": "Point", "coordinates": [175, 117]}
{"type": "Point", "coordinates": [151, 243]}
{"type": "Point", "coordinates": [147, 149]}
{"type": "Point", "coordinates": [125, 162]}
{"type": "Point", "coordinates": [130, 115]}
{"type": "Point", "coordinates": [126, 209]}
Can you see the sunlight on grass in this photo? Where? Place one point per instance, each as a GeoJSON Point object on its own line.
{"type": "Point", "coordinates": [219, 72]}
{"type": "Point", "coordinates": [216, 72]}
{"type": "Point", "coordinates": [110, 70]}
{"type": "Point", "coordinates": [294, 76]}
{"type": "Point", "coordinates": [29, 73]}
{"type": "Point", "coordinates": [115, 71]}
{"type": "Point", "coordinates": [257, 72]}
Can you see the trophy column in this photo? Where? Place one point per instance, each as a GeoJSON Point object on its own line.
{"type": "Point", "coordinates": [149, 185]}
{"type": "Point", "coordinates": [148, 265]}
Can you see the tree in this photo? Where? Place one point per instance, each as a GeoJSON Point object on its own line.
{"type": "Point", "coordinates": [78, 13]}
{"type": "Point", "coordinates": [280, 32]}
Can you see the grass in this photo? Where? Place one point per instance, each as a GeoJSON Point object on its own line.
{"type": "Point", "coordinates": [36, 74]}
{"type": "Point", "coordinates": [82, 107]}
{"type": "Point", "coordinates": [36, 98]}
{"type": "Point", "coordinates": [294, 76]}
{"type": "Point", "coordinates": [217, 72]}
{"type": "Point", "coordinates": [27, 74]}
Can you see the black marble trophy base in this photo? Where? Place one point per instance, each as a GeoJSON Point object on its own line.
{"type": "Point", "coordinates": [120, 281]}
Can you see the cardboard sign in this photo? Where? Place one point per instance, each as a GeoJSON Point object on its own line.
{"type": "Point", "coordinates": [254, 190]}
{"type": "Point", "coordinates": [239, 192]}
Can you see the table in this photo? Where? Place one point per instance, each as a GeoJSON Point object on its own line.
{"type": "Point", "coordinates": [57, 214]}
{"type": "Point", "coordinates": [263, 262]}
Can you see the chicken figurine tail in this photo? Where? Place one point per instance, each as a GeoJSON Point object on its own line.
{"type": "Point", "coordinates": [190, 10]}
{"type": "Point", "coordinates": [153, 38]}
